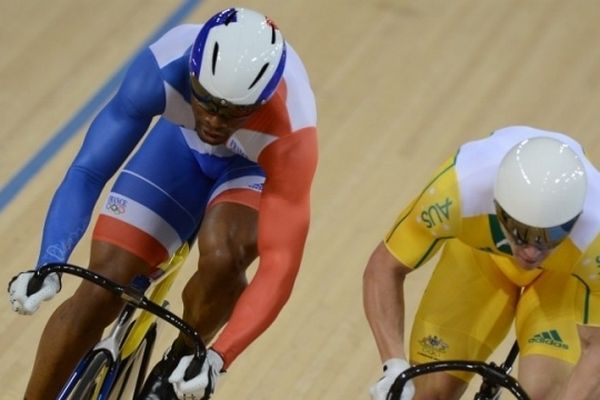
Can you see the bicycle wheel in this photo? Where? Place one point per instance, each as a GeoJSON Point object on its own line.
{"type": "Point", "coordinates": [91, 380]}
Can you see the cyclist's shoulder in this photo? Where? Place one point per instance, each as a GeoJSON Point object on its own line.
{"type": "Point", "coordinates": [586, 232]}
{"type": "Point", "coordinates": [174, 44]}
{"type": "Point", "coordinates": [477, 161]}
{"type": "Point", "coordinates": [490, 149]}
{"type": "Point", "coordinates": [156, 79]}
{"type": "Point", "coordinates": [292, 108]}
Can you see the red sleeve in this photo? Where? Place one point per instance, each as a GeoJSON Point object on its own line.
{"type": "Point", "coordinates": [284, 214]}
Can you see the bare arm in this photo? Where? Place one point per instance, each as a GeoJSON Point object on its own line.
{"type": "Point", "coordinates": [584, 383]}
{"type": "Point", "coordinates": [383, 300]}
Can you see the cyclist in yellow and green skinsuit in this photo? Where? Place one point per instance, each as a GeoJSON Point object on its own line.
{"type": "Point", "coordinates": [517, 220]}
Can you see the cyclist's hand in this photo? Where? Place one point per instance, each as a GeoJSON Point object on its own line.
{"type": "Point", "coordinates": [392, 368]}
{"type": "Point", "coordinates": [198, 386]}
{"type": "Point", "coordinates": [28, 304]}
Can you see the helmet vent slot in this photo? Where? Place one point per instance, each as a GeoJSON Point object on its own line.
{"type": "Point", "coordinates": [273, 36]}
{"type": "Point", "coordinates": [215, 55]}
{"type": "Point", "coordinates": [260, 74]}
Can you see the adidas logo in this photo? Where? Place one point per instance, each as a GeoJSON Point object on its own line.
{"type": "Point", "coordinates": [550, 337]}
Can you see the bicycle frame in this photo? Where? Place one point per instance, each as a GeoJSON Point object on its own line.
{"type": "Point", "coordinates": [163, 279]}
{"type": "Point", "coordinates": [494, 376]}
{"type": "Point", "coordinates": [117, 351]}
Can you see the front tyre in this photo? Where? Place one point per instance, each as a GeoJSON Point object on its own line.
{"type": "Point", "coordinates": [90, 383]}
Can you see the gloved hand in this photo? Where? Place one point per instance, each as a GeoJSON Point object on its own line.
{"type": "Point", "coordinates": [27, 305]}
{"type": "Point", "coordinates": [392, 368]}
{"type": "Point", "coordinates": [202, 385]}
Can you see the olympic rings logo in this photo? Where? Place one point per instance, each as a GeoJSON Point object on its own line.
{"type": "Point", "coordinates": [116, 205]}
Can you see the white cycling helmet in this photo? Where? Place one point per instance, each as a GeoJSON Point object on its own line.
{"type": "Point", "coordinates": [238, 57]}
{"type": "Point", "coordinates": [540, 190]}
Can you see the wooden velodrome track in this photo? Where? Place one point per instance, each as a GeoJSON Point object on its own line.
{"type": "Point", "coordinates": [399, 84]}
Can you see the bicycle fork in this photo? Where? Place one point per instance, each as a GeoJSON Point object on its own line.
{"type": "Point", "coordinates": [113, 342]}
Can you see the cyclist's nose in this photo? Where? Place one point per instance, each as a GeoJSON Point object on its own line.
{"type": "Point", "coordinates": [215, 121]}
{"type": "Point", "coordinates": [531, 253]}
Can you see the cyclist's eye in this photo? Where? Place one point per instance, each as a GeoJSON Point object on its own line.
{"type": "Point", "coordinates": [208, 106]}
{"type": "Point", "coordinates": [238, 114]}
{"type": "Point", "coordinates": [519, 239]}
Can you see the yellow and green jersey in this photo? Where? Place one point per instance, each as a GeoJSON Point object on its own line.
{"type": "Point", "coordinates": [457, 203]}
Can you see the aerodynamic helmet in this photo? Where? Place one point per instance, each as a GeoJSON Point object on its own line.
{"type": "Point", "coordinates": [238, 58]}
{"type": "Point", "coordinates": [540, 190]}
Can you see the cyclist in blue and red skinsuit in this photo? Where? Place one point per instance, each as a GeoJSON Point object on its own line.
{"type": "Point", "coordinates": [234, 151]}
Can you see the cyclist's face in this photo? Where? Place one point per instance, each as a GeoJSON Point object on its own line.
{"type": "Point", "coordinates": [216, 119]}
{"type": "Point", "coordinates": [530, 245]}
{"type": "Point", "coordinates": [212, 127]}
{"type": "Point", "coordinates": [528, 256]}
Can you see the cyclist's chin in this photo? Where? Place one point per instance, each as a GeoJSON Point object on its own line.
{"type": "Point", "coordinates": [529, 263]}
{"type": "Point", "coordinates": [211, 137]}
